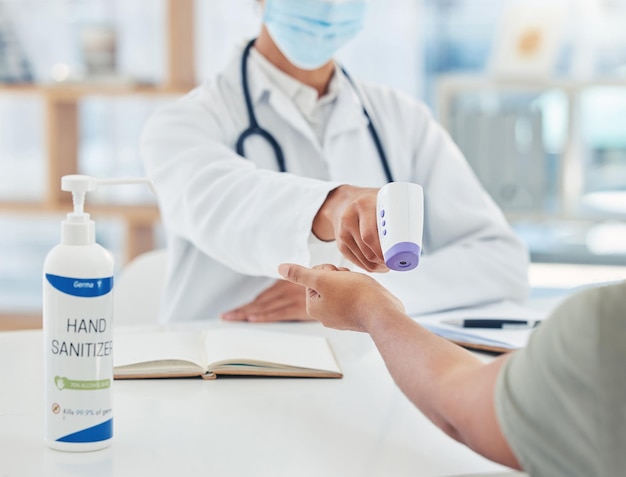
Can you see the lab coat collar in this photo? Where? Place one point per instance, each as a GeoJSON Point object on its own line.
{"type": "Point", "coordinates": [262, 89]}
{"type": "Point", "coordinates": [285, 107]}
{"type": "Point", "coordinates": [348, 113]}
{"type": "Point", "coordinates": [346, 116]}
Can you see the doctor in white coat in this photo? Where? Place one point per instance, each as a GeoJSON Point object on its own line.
{"type": "Point", "coordinates": [300, 184]}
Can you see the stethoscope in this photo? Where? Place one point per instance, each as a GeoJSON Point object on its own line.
{"type": "Point", "coordinates": [255, 129]}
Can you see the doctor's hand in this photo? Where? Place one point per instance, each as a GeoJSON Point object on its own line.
{"type": "Point", "coordinates": [348, 216]}
{"type": "Point", "coordinates": [283, 301]}
{"type": "Point", "coordinates": [342, 299]}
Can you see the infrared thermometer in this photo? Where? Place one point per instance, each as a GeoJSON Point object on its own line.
{"type": "Point", "coordinates": [400, 219]}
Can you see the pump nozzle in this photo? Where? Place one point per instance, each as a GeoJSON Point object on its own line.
{"type": "Point", "coordinates": [78, 229]}
{"type": "Point", "coordinates": [79, 185]}
{"type": "Point", "coordinates": [127, 180]}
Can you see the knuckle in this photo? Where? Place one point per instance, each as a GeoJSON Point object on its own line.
{"type": "Point", "coordinates": [359, 204]}
{"type": "Point", "coordinates": [345, 223]}
{"type": "Point", "coordinates": [370, 236]}
{"type": "Point", "coordinates": [344, 249]}
{"type": "Point", "coordinates": [293, 274]}
{"type": "Point", "coordinates": [344, 234]}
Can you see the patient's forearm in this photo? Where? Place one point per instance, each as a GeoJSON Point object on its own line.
{"type": "Point", "coordinates": [448, 384]}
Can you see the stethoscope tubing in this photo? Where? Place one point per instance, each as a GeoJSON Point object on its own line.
{"type": "Point", "coordinates": [255, 129]}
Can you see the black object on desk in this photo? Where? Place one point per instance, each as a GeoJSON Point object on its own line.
{"type": "Point", "coordinates": [494, 323]}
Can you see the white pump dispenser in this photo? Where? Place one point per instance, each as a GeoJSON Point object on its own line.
{"type": "Point", "coordinates": [78, 329]}
{"type": "Point", "coordinates": [78, 229]}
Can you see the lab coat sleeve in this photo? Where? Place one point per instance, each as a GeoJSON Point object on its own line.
{"type": "Point", "coordinates": [471, 255]}
{"type": "Point", "coordinates": [247, 218]}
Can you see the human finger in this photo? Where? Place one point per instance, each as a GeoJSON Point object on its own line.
{"type": "Point", "coordinates": [357, 232]}
{"type": "Point", "coordinates": [298, 274]}
{"type": "Point", "coordinates": [277, 291]}
{"type": "Point", "coordinates": [290, 312]}
{"type": "Point", "coordinates": [351, 250]}
{"type": "Point", "coordinates": [325, 266]}
{"type": "Point", "coordinates": [369, 240]}
{"type": "Point", "coordinates": [260, 307]}
{"type": "Point", "coordinates": [233, 315]}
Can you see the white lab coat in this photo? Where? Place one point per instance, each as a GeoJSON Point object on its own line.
{"type": "Point", "coordinates": [231, 221]}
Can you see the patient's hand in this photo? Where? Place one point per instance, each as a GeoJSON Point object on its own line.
{"type": "Point", "coordinates": [283, 301]}
{"type": "Point", "coordinates": [340, 298]}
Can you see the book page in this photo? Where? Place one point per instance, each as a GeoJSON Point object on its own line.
{"type": "Point", "coordinates": [168, 348]}
{"type": "Point", "coordinates": [239, 346]}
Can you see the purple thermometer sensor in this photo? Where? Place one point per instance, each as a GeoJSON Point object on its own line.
{"type": "Point", "coordinates": [403, 256]}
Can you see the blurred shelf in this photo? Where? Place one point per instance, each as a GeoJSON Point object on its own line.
{"type": "Point", "coordinates": [77, 91]}
{"type": "Point", "coordinates": [571, 165]}
{"type": "Point", "coordinates": [133, 213]}
{"type": "Point", "coordinates": [11, 322]}
{"type": "Point", "coordinates": [62, 127]}
{"type": "Point", "coordinates": [460, 82]}
{"type": "Point", "coordinates": [62, 133]}
{"type": "Point", "coordinates": [17, 89]}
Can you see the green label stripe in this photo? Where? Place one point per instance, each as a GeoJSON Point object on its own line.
{"type": "Point", "coordinates": [77, 385]}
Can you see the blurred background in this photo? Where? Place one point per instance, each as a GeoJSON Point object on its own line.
{"type": "Point", "coordinates": [534, 94]}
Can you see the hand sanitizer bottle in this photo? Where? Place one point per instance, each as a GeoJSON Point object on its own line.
{"type": "Point", "coordinates": [78, 332]}
{"type": "Point", "coordinates": [78, 328]}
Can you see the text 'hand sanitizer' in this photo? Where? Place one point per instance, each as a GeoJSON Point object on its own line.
{"type": "Point", "coordinates": [78, 329]}
{"type": "Point", "coordinates": [400, 219]}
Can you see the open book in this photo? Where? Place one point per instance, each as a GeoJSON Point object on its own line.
{"type": "Point", "coordinates": [235, 351]}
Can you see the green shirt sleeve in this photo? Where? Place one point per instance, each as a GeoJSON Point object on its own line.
{"type": "Point", "coordinates": [561, 401]}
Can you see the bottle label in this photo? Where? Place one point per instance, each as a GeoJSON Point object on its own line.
{"type": "Point", "coordinates": [85, 287]}
{"type": "Point", "coordinates": [78, 346]}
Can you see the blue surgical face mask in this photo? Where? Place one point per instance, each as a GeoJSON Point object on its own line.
{"type": "Point", "coordinates": [309, 32]}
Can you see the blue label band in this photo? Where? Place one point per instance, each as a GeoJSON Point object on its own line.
{"type": "Point", "coordinates": [83, 287]}
{"type": "Point", "coordinates": [97, 433]}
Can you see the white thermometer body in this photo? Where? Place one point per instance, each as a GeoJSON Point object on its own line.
{"type": "Point", "coordinates": [400, 219]}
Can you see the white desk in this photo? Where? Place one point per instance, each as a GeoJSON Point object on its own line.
{"type": "Point", "coordinates": [361, 425]}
